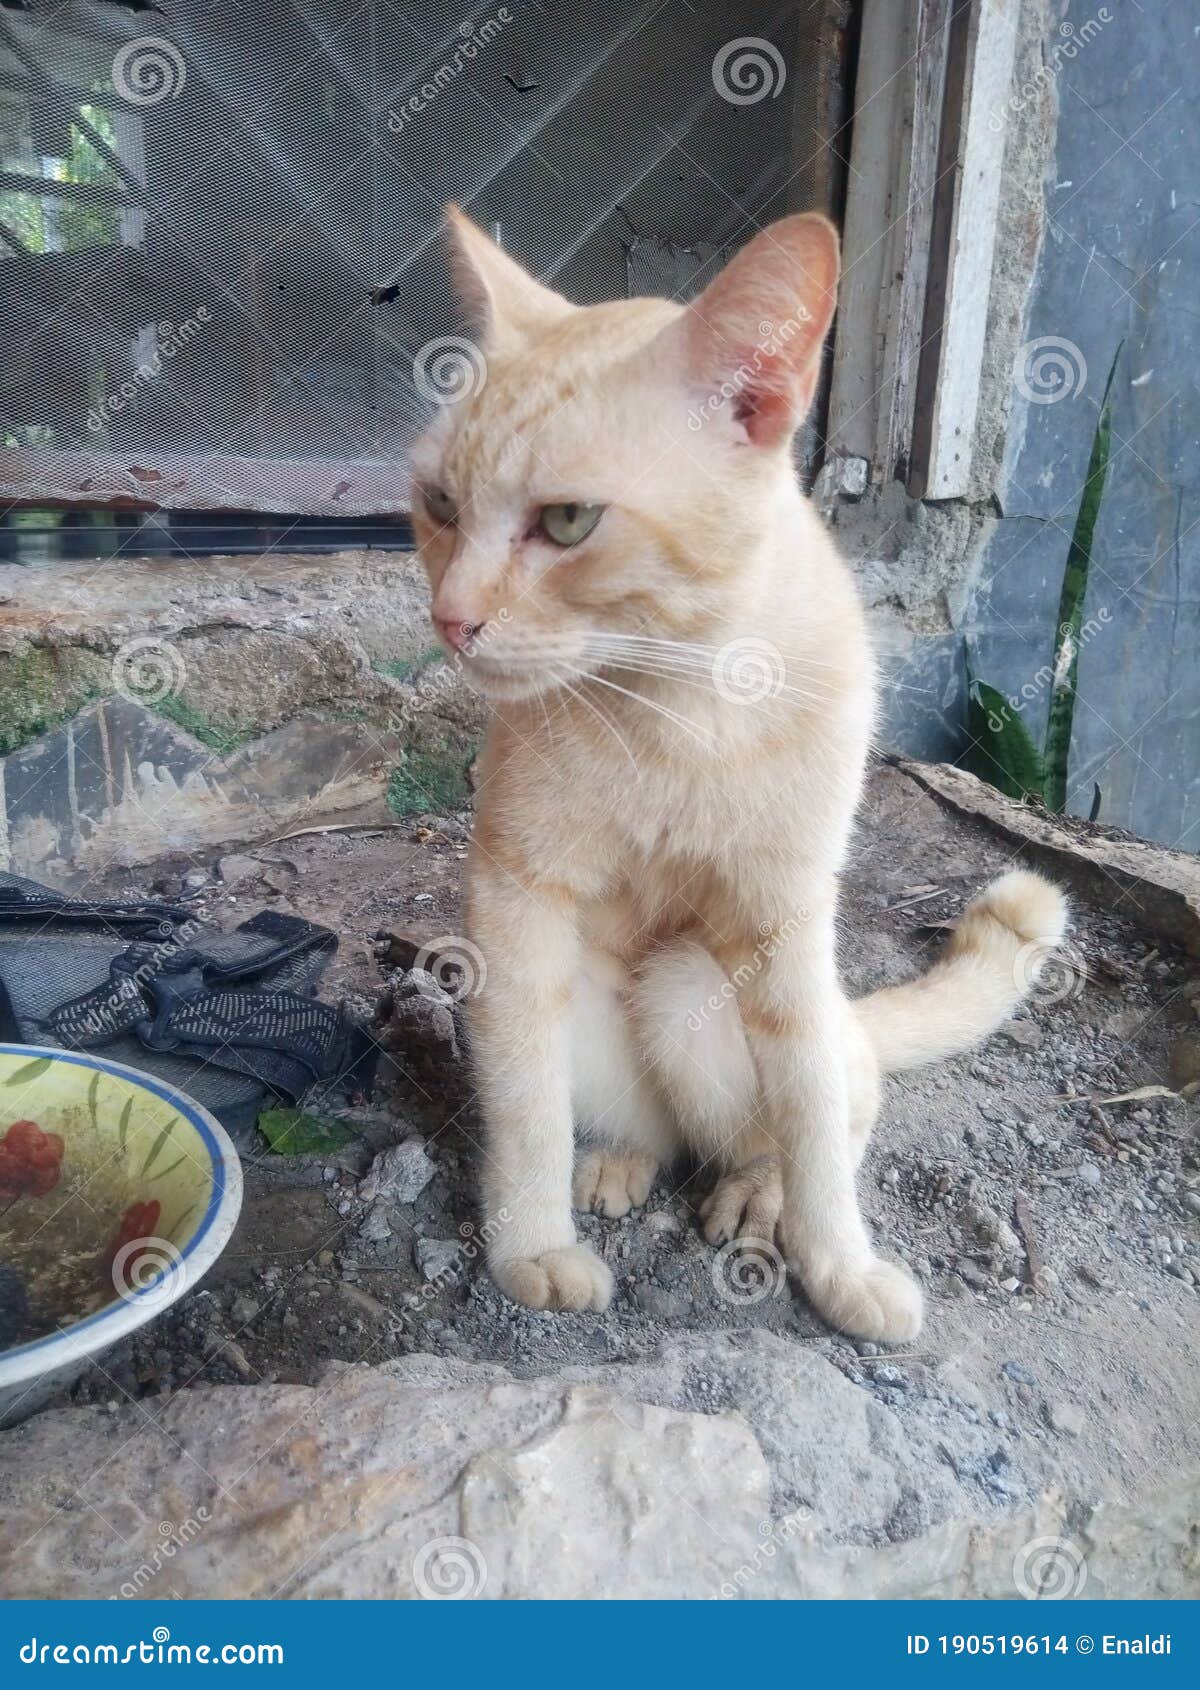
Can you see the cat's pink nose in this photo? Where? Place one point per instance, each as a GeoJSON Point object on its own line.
{"type": "Point", "coordinates": [456, 632]}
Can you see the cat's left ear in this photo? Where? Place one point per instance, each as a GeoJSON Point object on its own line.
{"type": "Point", "coordinates": [504, 302]}
{"type": "Point", "coordinates": [753, 338]}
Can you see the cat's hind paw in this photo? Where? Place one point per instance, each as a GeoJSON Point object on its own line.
{"type": "Point", "coordinates": [745, 1203]}
{"type": "Point", "coordinates": [570, 1279]}
{"type": "Point", "coordinates": [611, 1182]}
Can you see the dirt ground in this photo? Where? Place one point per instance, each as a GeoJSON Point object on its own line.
{"type": "Point", "coordinates": [1056, 1234]}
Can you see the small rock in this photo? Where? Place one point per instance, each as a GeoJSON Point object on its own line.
{"type": "Point", "coordinates": [243, 1310]}
{"type": "Point", "coordinates": [376, 1227]}
{"type": "Point", "coordinates": [1064, 1417]}
{"type": "Point", "coordinates": [1017, 1373]}
{"type": "Point", "coordinates": [1088, 1173]}
{"type": "Point", "coordinates": [661, 1221]}
{"type": "Point", "coordinates": [1025, 1033]}
{"type": "Point", "coordinates": [399, 1174]}
{"type": "Point", "coordinates": [237, 867]}
{"type": "Point", "coordinates": [1191, 1202]}
{"type": "Point", "coordinates": [438, 1258]}
{"type": "Point", "coordinates": [195, 880]}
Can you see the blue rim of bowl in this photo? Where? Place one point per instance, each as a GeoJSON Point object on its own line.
{"type": "Point", "coordinates": [188, 1110]}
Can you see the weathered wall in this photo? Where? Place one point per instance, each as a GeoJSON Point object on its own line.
{"type": "Point", "coordinates": [163, 706]}
{"type": "Point", "coordinates": [1101, 149]}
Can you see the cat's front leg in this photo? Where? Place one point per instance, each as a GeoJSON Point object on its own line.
{"type": "Point", "coordinates": [795, 1018]}
{"type": "Point", "coordinates": [526, 932]}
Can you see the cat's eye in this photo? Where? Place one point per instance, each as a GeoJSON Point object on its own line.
{"type": "Point", "coordinates": [566, 525]}
{"type": "Point", "coordinates": [441, 506]}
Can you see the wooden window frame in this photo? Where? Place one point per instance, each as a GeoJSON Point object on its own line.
{"type": "Point", "coordinates": [922, 210]}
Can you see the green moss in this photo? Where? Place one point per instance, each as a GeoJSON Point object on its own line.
{"type": "Point", "coordinates": [408, 668]}
{"type": "Point", "coordinates": [37, 695]}
{"type": "Point", "coordinates": [426, 782]}
{"type": "Point", "coordinates": [218, 736]}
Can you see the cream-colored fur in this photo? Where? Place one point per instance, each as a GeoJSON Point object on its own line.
{"type": "Point", "coordinates": [653, 879]}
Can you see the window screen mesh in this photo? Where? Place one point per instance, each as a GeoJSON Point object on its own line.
{"type": "Point", "coordinates": [219, 253]}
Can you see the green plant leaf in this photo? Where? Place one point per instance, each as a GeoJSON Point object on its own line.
{"type": "Point", "coordinates": [1002, 752]}
{"type": "Point", "coordinates": [294, 1132]}
{"type": "Point", "coordinates": [1061, 718]}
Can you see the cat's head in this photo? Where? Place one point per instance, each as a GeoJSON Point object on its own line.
{"type": "Point", "coordinates": [608, 472]}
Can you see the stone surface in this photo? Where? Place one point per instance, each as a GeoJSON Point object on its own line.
{"type": "Point", "coordinates": [336, 652]}
{"type": "Point", "coordinates": [119, 783]}
{"type": "Point", "coordinates": [417, 1480]}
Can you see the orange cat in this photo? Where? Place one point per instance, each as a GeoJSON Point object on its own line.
{"type": "Point", "coordinates": [682, 696]}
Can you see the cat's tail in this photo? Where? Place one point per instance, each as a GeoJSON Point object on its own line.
{"type": "Point", "coordinates": [991, 961]}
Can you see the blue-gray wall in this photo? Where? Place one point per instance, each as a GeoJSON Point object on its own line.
{"type": "Point", "coordinates": [1120, 261]}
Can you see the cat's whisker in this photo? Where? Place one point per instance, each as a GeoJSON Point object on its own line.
{"type": "Point", "coordinates": [701, 678]}
{"type": "Point", "coordinates": [689, 727]}
{"type": "Point", "coordinates": [605, 721]}
{"type": "Point", "coordinates": [709, 652]}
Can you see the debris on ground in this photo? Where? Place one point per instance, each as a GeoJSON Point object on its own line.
{"type": "Point", "coordinates": [1045, 1190]}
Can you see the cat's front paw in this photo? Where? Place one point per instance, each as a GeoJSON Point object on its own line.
{"type": "Point", "coordinates": [573, 1278]}
{"type": "Point", "coordinates": [880, 1301]}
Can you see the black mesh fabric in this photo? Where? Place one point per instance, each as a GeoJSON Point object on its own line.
{"type": "Point", "coordinates": [255, 1028]}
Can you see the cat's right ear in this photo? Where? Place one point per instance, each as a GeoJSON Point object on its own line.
{"type": "Point", "coordinates": [753, 338]}
{"type": "Point", "coordinates": [503, 302]}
